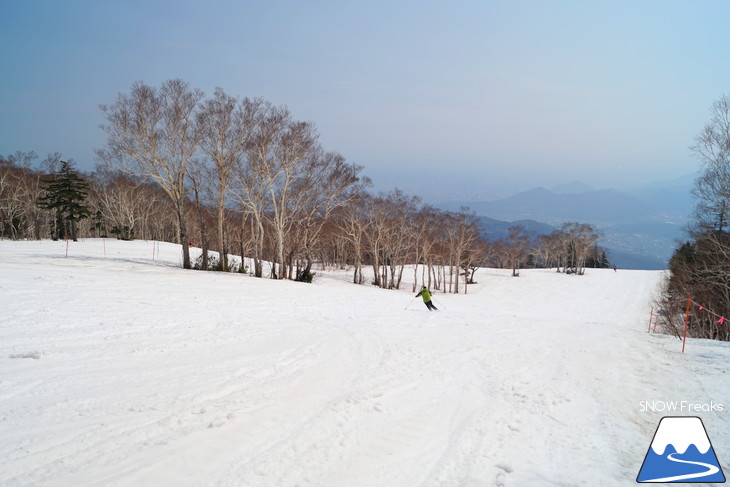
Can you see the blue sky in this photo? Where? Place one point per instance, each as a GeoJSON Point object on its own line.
{"type": "Point", "coordinates": [470, 98]}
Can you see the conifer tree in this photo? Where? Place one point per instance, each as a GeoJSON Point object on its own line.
{"type": "Point", "coordinates": [65, 194]}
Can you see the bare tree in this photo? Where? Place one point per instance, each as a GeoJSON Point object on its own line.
{"type": "Point", "coordinates": [152, 133]}
{"type": "Point", "coordinates": [225, 125]}
{"type": "Point", "coordinates": [155, 209]}
{"type": "Point", "coordinates": [428, 225]}
{"type": "Point", "coordinates": [253, 174]}
{"type": "Point", "coordinates": [116, 197]}
{"type": "Point", "coordinates": [296, 142]}
{"type": "Point", "coordinates": [464, 243]}
{"type": "Point", "coordinates": [701, 268]}
{"type": "Point", "coordinates": [400, 212]}
{"type": "Point", "coordinates": [36, 218]}
{"type": "Point", "coordinates": [516, 250]}
{"type": "Point", "coordinates": [20, 190]}
{"type": "Point", "coordinates": [390, 236]}
{"type": "Point", "coordinates": [52, 162]}
{"type": "Point", "coordinates": [327, 183]}
{"type": "Point", "coordinates": [478, 255]}
{"type": "Point", "coordinates": [550, 249]}
{"type": "Point", "coordinates": [712, 188]}
{"type": "Point", "coordinates": [422, 242]}
{"type": "Point", "coordinates": [199, 178]}
{"type": "Point", "coordinates": [579, 241]}
{"type": "Point", "coordinates": [353, 222]}
{"type": "Point", "coordinates": [10, 197]}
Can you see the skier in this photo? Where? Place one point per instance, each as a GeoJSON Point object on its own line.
{"type": "Point", "coordinates": [427, 298]}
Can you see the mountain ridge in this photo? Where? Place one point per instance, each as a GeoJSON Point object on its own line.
{"type": "Point", "coordinates": [640, 227]}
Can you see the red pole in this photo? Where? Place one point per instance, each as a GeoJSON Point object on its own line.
{"type": "Point", "coordinates": [651, 315]}
{"type": "Point", "coordinates": [686, 322]}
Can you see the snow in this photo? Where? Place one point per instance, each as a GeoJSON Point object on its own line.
{"type": "Point", "coordinates": [118, 368]}
{"type": "Point", "coordinates": [680, 433]}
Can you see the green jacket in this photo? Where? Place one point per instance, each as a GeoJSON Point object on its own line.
{"type": "Point", "coordinates": [425, 295]}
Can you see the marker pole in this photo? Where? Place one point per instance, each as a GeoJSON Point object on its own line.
{"type": "Point", "coordinates": [686, 321]}
{"type": "Point", "coordinates": [651, 315]}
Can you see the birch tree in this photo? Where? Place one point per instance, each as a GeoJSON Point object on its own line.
{"type": "Point", "coordinates": [464, 242]}
{"type": "Point", "coordinates": [253, 181]}
{"type": "Point", "coordinates": [327, 183]}
{"type": "Point", "coordinates": [152, 133]}
{"type": "Point", "coordinates": [701, 268]}
{"type": "Point", "coordinates": [353, 222]}
{"type": "Point", "coordinates": [118, 201]}
{"type": "Point", "coordinates": [518, 242]}
{"type": "Point", "coordinates": [225, 126]}
{"type": "Point", "coordinates": [20, 189]}
{"type": "Point", "coordinates": [199, 177]}
{"type": "Point", "coordinates": [580, 241]}
{"type": "Point", "coordinates": [296, 141]}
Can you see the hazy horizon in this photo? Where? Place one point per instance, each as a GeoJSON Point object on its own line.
{"type": "Point", "coordinates": [441, 189]}
{"type": "Point", "coordinates": [480, 99]}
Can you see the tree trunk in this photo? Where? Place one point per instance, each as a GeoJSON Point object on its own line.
{"type": "Point", "coordinates": [221, 241]}
{"type": "Point", "coordinates": [203, 238]}
{"type": "Point", "coordinates": [376, 268]}
{"type": "Point", "coordinates": [242, 236]}
{"type": "Point", "coordinates": [279, 254]}
{"type": "Point", "coordinates": [257, 231]}
{"type": "Point", "coordinates": [458, 268]}
{"type": "Point", "coordinates": [183, 235]}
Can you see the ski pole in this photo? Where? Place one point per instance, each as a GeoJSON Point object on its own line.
{"type": "Point", "coordinates": [409, 303]}
{"type": "Point", "coordinates": [439, 303]}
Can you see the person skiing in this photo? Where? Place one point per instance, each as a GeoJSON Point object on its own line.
{"type": "Point", "coordinates": [427, 298]}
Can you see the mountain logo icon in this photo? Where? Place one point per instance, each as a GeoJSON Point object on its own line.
{"type": "Point", "coordinates": [680, 452]}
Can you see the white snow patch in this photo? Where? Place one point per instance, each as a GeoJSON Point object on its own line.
{"type": "Point", "coordinates": [154, 375]}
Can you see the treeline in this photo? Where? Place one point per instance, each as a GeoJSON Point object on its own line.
{"type": "Point", "coordinates": [570, 249]}
{"type": "Point", "coordinates": [700, 268]}
{"type": "Point", "coordinates": [240, 176]}
{"type": "Point", "coordinates": [118, 205]}
{"type": "Point", "coordinates": [384, 232]}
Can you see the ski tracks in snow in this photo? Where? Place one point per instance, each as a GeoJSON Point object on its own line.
{"type": "Point", "coordinates": [218, 380]}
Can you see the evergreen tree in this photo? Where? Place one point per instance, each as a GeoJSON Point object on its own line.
{"type": "Point", "coordinates": [604, 263]}
{"type": "Point", "coordinates": [65, 194]}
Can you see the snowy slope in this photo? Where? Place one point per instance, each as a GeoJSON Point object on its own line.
{"type": "Point", "coordinates": [120, 370]}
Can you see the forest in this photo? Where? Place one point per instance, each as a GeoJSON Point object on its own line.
{"type": "Point", "coordinates": [697, 295]}
{"type": "Point", "coordinates": [240, 176]}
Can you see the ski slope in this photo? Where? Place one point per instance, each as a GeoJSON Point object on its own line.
{"type": "Point", "coordinates": [120, 369]}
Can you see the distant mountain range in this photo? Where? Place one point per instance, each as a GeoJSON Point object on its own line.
{"type": "Point", "coordinates": [640, 227]}
{"type": "Point", "coordinates": [499, 230]}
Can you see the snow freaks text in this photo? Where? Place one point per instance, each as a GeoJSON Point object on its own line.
{"type": "Point", "coordinates": [680, 407]}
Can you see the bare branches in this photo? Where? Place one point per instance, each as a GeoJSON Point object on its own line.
{"type": "Point", "coordinates": [152, 133]}
{"type": "Point", "coordinates": [225, 125]}
{"type": "Point", "coordinates": [700, 268]}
